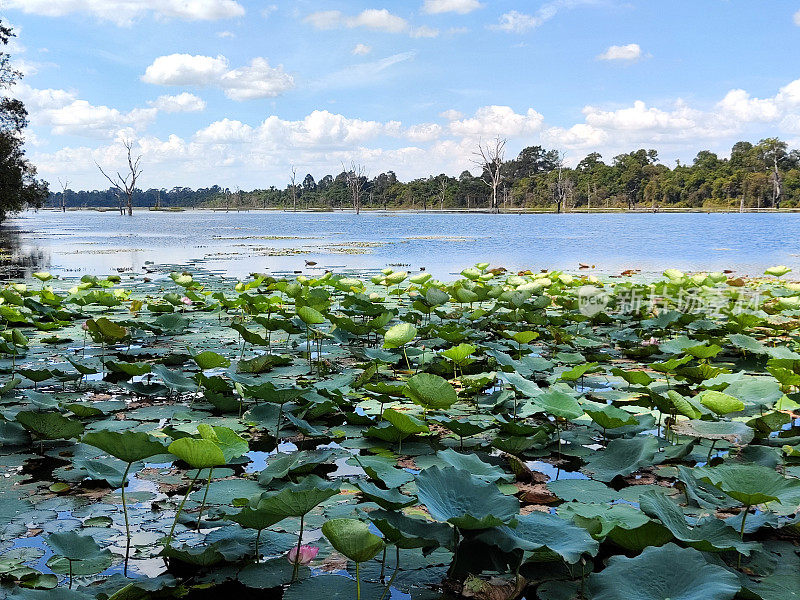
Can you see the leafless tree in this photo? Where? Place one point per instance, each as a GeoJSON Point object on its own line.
{"type": "Point", "coordinates": [489, 157]}
{"type": "Point", "coordinates": [64, 186]}
{"type": "Point", "coordinates": [356, 177]}
{"type": "Point", "coordinates": [126, 185]}
{"type": "Point", "coordinates": [561, 188]}
{"type": "Point", "coordinates": [443, 185]}
{"type": "Point", "coordinates": [293, 188]}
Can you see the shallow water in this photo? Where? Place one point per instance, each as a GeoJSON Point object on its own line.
{"type": "Point", "coordinates": [237, 244]}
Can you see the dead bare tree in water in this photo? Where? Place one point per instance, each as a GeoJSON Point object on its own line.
{"type": "Point", "coordinates": [126, 185]}
{"type": "Point", "coordinates": [293, 188]}
{"type": "Point", "coordinates": [356, 178]}
{"type": "Point", "coordinates": [489, 157]}
{"type": "Point", "coordinates": [64, 186]}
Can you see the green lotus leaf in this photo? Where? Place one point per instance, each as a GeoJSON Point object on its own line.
{"type": "Point", "coordinates": [230, 442]}
{"type": "Point", "coordinates": [472, 464]}
{"type": "Point", "coordinates": [382, 469]}
{"type": "Point", "coordinates": [720, 403]}
{"type": "Point", "coordinates": [310, 316]}
{"type": "Point", "coordinates": [458, 497]}
{"type": "Point", "coordinates": [708, 535]}
{"type": "Point", "coordinates": [128, 446]}
{"type": "Point", "coordinates": [408, 532]}
{"type": "Point", "coordinates": [660, 573]}
{"type": "Point", "coordinates": [622, 457]}
{"type": "Point", "coordinates": [559, 404]}
{"type": "Point", "coordinates": [399, 335]}
{"type": "Point", "coordinates": [608, 416]}
{"type": "Point", "coordinates": [391, 499]}
{"type": "Point", "coordinates": [778, 271]}
{"type": "Point", "coordinates": [296, 500]}
{"type": "Point", "coordinates": [210, 360]}
{"type": "Point", "coordinates": [750, 484]}
{"type": "Point", "coordinates": [538, 531]}
{"type": "Point", "coordinates": [353, 539]}
{"type": "Point", "coordinates": [431, 391]}
{"type": "Point", "coordinates": [198, 454]}
{"type": "Point", "coordinates": [633, 377]}
{"type": "Point", "coordinates": [682, 405]}
{"type": "Point", "coordinates": [50, 425]}
{"type": "Point", "coordinates": [734, 432]}
{"type": "Point", "coordinates": [460, 353]}
{"type": "Point", "coordinates": [406, 424]}
{"type": "Point", "coordinates": [332, 587]}
{"type": "Point", "coordinates": [174, 380]}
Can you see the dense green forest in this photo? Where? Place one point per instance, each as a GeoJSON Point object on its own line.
{"type": "Point", "coordinates": [765, 175]}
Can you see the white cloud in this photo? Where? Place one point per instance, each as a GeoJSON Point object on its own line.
{"type": "Point", "coordinates": [267, 12]}
{"type": "Point", "coordinates": [64, 114]}
{"type": "Point", "coordinates": [462, 7]}
{"type": "Point", "coordinates": [451, 115]}
{"type": "Point", "coordinates": [424, 32]}
{"type": "Point", "coordinates": [362, 49]}
{"type": "Point", "coordinates": [185, 69]}
{"type": "Point", "coordinates": [235, 152]}
{"type": "Point", "coordinates": [225, 35]}
{"type": "Point", "coordinates": [126, 12]}
{"type": "Point", "coordinates": [626, 53]}
{"type": "Point", "coordinates": [372, 18]}
{"type": "Point", "coordinates": [366, 73]}
{"type": "Point", "coordinates": [517, 22]}
{"type": "Point", "coordinates": [425, 132]}
{"type": "Point", "coordinates": [491, 121]}
{"type": "Point", "coordinates": [797, 18]}
{"type": "Point", "coordinates": [257, 80]}
{"type": "Point", "coordinates": [184, 102]}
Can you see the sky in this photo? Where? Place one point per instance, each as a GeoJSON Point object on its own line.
{"type": "Point", "coordinates": [237, 92]}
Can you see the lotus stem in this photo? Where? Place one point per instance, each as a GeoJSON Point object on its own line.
{"type": "Point", "coordinates": [205, 495]}
{"type": "Point", "coordinates": [358, 581]}
{"type": "Point", "coordinates": [168, 542]}
{"type": "Point", "coordinates": [297, 556]}
{"type": "Point", "coordinates": [258, 538]}
{"type": "Point", "coordinates": [741, 534]}
{"type": "Point", "coordinates": [396, 570]}
{"type": "Point", "coordinates": [127, 523]}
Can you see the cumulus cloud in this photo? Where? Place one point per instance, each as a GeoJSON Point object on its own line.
{"type": "Point", "coordinates": [65, 114]}
{"type": "Point", "coordinates": [184, 102]}
{"type": "Point", "coordinates": [256, 80]}
{"type": "Point", "coordinates": [126, 12]}
{"type": "Point", "coordinates": [797, 18]}
{"type": "Point", "coordinates": [372, 18]}
{"type": "Point", "coordinates": [362, 49]}
{"type": "Point", "coordinates": [491, 121]}
{"type": "Point", "coordinates": [231, 150]}
{"type": "Point", "coordinates": [626, 53]}
{"type": "Point", "coordinates": [424, 32]}
{"type": "Point", "coordinates": [462, 7]}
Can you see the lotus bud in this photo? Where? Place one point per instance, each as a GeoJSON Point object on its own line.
{"type": "Point", "coordinates": [306, 554]}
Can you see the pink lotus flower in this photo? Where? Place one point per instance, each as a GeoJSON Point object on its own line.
{"type": "Point", "coordinates": [85, 326]}
{"type": "Point", "coordinates": [651, 342]}
{"type": "Point", "coordinates": [187, 301]}
{"type": "Point", "coordinates": [307, 554]}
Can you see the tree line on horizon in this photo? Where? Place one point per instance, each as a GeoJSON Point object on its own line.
{"type": "Point", "coordinates": [764, 175]}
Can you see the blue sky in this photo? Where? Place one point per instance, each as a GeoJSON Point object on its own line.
{"type": "Point", "coordinates": [235, 92]}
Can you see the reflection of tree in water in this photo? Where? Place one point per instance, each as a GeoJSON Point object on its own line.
{"type": "Point", "coordinates": [16, 260]}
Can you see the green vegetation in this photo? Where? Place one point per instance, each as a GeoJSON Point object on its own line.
{"type": "Point", "coordinates": [19, 188]}
{"type": "Point", "coordinates": [547, 436]}
{"type": "Point", "coordinates": [765, 175]}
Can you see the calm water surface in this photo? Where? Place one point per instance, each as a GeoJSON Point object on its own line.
{"type": "Point", "coordinates": [83, 242]}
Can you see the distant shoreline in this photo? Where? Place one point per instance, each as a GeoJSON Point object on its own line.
{"type": "Point", "coordinates": [486, 211]}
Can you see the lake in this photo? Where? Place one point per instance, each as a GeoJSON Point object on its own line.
{"type": "Point", "coordinates": [81, 242]}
